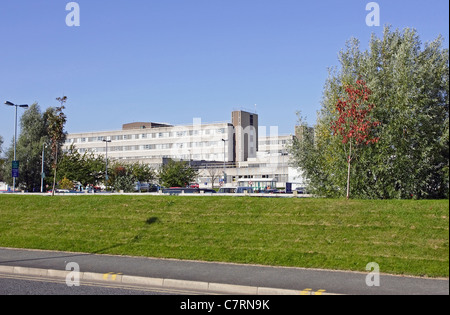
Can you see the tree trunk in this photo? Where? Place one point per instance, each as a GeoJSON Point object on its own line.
{"type": "Point", "coordinates": [54, 175]}
{"type": "Point", "coordinates": [349, 161]}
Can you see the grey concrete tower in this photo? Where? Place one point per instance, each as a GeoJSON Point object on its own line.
{"type": "Point", "coordinates": [245, 135]}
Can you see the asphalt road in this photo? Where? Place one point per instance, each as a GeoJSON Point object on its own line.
{"type": "Point", "coordinates": [29, 285]}
{"type": "Point", "coordinates": [334, 282]}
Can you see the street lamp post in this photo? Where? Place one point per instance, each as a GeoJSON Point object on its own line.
{"type": "Point", "coordinates": [224, 159]}
{"type": "Point", "coordinates": [106, 175]}
{"type": "Point", "coordinates": [15, 139]}
{"type": "Point", "coordinates": [42, 168]}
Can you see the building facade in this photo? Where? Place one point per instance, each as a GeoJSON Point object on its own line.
{"type": "Point", "coordinates": [228, 153]}
{"type": "Point", "coordinates": [150, 143]}
{"type": "Point", "coordinates": [245, 135]}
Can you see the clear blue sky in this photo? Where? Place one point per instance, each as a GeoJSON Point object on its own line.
{"type": "Point", "coordinates": [173, 60]}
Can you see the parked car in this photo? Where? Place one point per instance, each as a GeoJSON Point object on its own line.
{"type": "Point", "coordinates": [227, 190]}
{"type": "Point", "coordinates": [145, 187]}
{"type": "Point", "coordinates": [270, 191]}
{"type": "Point", "coordinates": [301, 190]}
{"type": "Point", "coordinates": [241, 190]}
{"type": "Point", "coordinates": [63, 191]}
{"type": "Point", "coordinates": [180, 190]}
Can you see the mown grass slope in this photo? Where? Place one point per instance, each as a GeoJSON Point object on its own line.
{"type": "Point", "coordinates": [403, 237]}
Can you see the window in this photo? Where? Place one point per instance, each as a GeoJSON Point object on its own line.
{"type": "Point", "coordinates": [163, 146]}
{"type": "Point", "coordinates": [251, 120]}
{"type": "Point", "coordinates": [148, 147]}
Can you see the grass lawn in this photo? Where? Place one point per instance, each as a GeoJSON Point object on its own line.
{"type": "Point", "coordinates": [403, 237]}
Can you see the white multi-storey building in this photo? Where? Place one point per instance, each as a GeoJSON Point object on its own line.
{"type": "Point", "coordinates": [240, 149]}
{"type": "Point", "coordinates": [149, 143]}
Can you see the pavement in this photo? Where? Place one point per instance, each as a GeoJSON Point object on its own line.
{"type": "Point", "coordinates": [212, 277]}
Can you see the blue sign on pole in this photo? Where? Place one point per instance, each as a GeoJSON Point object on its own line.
{"type": "Point", "coordinates": [15, 169]}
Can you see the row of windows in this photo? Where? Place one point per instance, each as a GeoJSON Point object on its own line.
{"type": "Point", "coordinates": [156, 135]}
{"type": "Point", "coordinates": [206, 156]}
{"type": "Point", "coordinates": [276, 177]}
{"type": "Point", "coordinates": [162, 146]}
{"type": "Point", "coordinates": [272, 142]}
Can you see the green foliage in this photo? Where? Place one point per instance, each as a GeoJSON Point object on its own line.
{"type": "Point", "coordinates": [2, 161]}
{"type": "Point", "coordinates": [90, 169]}
{"type": "Point", "coordinates": [86, 168]}
{"type": "Point", "coordinates": [2, 169]}
{"type": "Point", "coordinates": [125, 176]}
{"type": "Point", "coordinates": [176, 174]}
{"type": "Point", "coordinates": [66, 183]}
{"type": "Point", "coordinates": [56, 121]}
{"type": "Point", "coordinates": [409, 83]}
{"type": "Point", "coordinates": [29, 150]}
{"type": "Point", "coordinates": [142, 172]}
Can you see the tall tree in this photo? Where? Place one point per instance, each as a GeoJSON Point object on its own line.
{"type": "Point", "coordinates": [410, 86]}
{"type": "Point", "coordinates": [142, 172]}
{"type": "Point", "coordinates": [56, 122]}
{"type": "Point", "coordinates": [29, 149]}
{"type": "Point", "coordinates": [2, 161]}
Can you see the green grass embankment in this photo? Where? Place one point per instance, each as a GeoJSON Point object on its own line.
{"type": "Point", "coordinates": [403, 237]}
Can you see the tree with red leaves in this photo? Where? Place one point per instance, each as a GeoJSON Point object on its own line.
{"type": "Point", "coordinates": [354, 123]}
